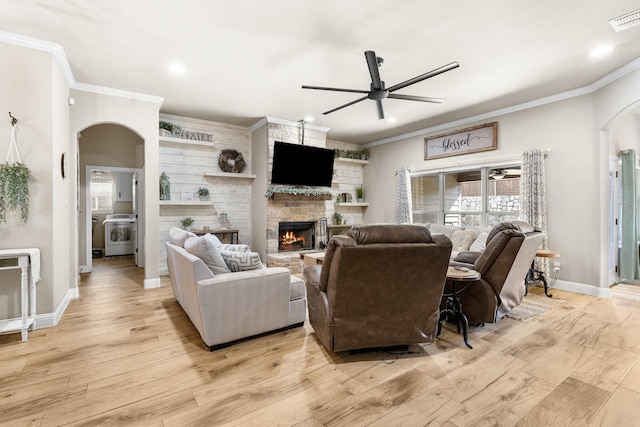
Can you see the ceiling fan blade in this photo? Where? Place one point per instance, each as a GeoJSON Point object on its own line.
{"type": "Point", "coordinates": [415, 98]}
{"type": "Point", "coordinates": [372, 62]}
{"type": "Point", "coordinates": [380, 109]}
{"type": "Point", "coordinates": [424, 76]}
{"type": "Point", "coordinates": [335, 89]}
{"type": "Point", "coordinates": [345, 105]}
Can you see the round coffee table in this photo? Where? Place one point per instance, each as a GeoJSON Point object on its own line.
{"type": "Point", "coordinates": [457, 275]}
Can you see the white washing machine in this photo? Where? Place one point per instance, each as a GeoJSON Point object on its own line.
{"type": "Point", "coordinates": [119, 232]}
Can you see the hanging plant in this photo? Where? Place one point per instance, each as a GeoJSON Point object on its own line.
{"type": "Point", "coordinates": [14, 190]}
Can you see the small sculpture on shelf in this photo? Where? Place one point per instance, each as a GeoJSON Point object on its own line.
{"type": "Point", "coordinates": [223, 219]}
{"type": "Point", "coordinates": [165, 187]}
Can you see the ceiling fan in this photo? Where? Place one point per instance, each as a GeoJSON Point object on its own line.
{"type": "Point", "coordinates": [378, 91]}
{"type": "Point", "coordinates": [504, 173]}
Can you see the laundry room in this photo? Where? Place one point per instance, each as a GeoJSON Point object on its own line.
{"type": "Point", "coordinates": [111, 213]}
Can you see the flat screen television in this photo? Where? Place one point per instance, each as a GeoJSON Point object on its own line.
{"type": "Point", "coordinates": [295, 164]}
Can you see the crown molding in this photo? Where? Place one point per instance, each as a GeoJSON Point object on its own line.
{"type": "Point", "coordinates": [268, 119]}
{"type": "Point", "coordinates": [42, 45]}
{"type": "Point", "coordinates": [585, 90]}
{"type": "Point", "coordinates": [101, 90]}
{"type": "Point", "coordinates": [61, 59]}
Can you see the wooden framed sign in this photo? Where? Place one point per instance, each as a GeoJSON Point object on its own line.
{"type": "Point", "coordinates": [464, 141]}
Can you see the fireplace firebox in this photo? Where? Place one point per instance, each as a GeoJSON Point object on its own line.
{"type": "Point", "coordinates": [296, 236]}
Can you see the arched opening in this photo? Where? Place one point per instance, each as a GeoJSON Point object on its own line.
{"type": "Point", "coordinates": [110, 194]}
{"type": "Point", "coordinates": [623, 133]}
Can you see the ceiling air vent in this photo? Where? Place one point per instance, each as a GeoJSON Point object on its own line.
{"type": "Point", "coordinates": [628, 20]}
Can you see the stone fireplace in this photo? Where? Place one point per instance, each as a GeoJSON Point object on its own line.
{"type": "Point", "coordinates": [269, 213]}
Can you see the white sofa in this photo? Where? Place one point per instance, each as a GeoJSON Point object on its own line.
{"type": "Point", "coordinates": [228, 307]}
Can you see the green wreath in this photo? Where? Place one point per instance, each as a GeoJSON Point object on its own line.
{"type": "Point", "coordinates": [231, 161]}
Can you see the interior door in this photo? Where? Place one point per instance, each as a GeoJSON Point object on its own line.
{"type": "Point", "coordinates": [614, 224]}
{"type": "Point", "coordinates": [134, 193]}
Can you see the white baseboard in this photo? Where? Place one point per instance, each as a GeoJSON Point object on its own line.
{"type": "Point", "coordinates": [152, 283]}
{"type": "Point", "coordinates": [580, 288]}
{"type": "Point", "coordinates": [48, 320]}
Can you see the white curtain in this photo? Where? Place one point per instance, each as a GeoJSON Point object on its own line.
{"type": "Point", "coordinates": [533, 206]}
{"type": "Point", "coordinates": [403, 196]}
{"type": "Point", "coordinates": [629, 268]}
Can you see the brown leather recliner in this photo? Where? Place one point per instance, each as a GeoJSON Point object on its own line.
{"type": "Point", "coordinates": [503, 265]}
{"type": "Point", "coordinates": [379, 286]}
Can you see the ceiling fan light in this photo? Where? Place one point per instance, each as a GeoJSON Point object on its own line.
{"type": "Point", "coordinates": [497, 175]}
{"type": "Point", "coordinates": [626, 21]}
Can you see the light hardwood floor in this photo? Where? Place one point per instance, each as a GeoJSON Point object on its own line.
{"type": "Point", "coordinates": [122, 355]}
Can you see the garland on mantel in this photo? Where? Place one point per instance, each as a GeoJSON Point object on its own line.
{"type": "Point", "coordinates": [301, 191]}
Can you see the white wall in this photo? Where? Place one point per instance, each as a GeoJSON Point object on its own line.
{"type": "Point", "coordinates": [34, 90]}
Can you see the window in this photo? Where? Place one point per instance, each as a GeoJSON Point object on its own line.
{"type": "Point", "coordinates": [102, 196]}
{"type": "Point", "coordinates": [478, 197]}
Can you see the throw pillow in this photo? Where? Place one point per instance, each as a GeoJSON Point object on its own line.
{"type": "Point", "coordinates": [480, 243]}
{"type": "Point", "coordinates": [241, 261]}
{"type": "Point", "coordinates": [178, 236]}
{"type": "Point", "coordinates": [213, 239]}
{"type": "Point", "coordinates": [234, 247]}
{"type": "Point", "coordinates": [447, 230]}
{"type": "Point", "coordinates": [204, 249]}
{"type": "Point", "coordinates": [462, 239]}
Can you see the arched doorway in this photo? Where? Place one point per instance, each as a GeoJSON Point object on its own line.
{"type": "Point", "coordinates": [623, 133]}
{"type": "Point", "coordinates": [111, 157]}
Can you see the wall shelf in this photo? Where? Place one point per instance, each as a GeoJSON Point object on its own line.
{"type": "Point", "coordinates": [229, 175]}
{"type": "Point", "coordinates": [186, 202]}
{"type": "Point", "coordinates": [354, 204]}
{"type": "Point", "coordinates": [349, 160]}
{"type": "Point", "coordinates": [181, 142]}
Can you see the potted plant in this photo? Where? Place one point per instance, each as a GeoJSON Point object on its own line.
{"type": "Point", "coordinates": [337, 218]}
{"type": "Point", "coordinates": [364, 154]}
{"type": "Point", "coordinates": [359, 193]}
{"type": "Point", "coordinates": [203, 193]}
{"type": "Point", "coordinates": [187, 222]}
{"type": "Point", "coordinates": [166, 128]}
{"type": "Point", "coordinates": [14, 190]}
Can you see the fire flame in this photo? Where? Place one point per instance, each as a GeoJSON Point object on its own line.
{"type": "Point", "coordinates": [289, 237]}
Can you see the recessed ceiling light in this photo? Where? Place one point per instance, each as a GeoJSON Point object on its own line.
{"type": "Point", "coordinates": [391, 120]}
{"type": "Point", "coordinates": [628, 20]}
{"type": "Point", "coordinates": [177, 68]}
{"type": "Point", "coordinates": [601, 51]}
{"type": "Point", "coordinates": [308, 119]}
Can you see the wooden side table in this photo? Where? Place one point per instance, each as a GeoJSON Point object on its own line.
{"type": "Point", "coordinates": [454, 303]}
{"type": "Point", "coordinates": [534, 274]}
{"type": "Point", "coordinates": [226, 235]}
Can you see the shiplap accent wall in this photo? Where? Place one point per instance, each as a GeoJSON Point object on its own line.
{"type": "Point", "coordinates": [186, 164]}
{"type": "Point", "coordinates": [346, 177]}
